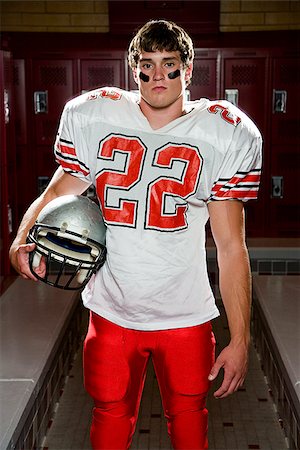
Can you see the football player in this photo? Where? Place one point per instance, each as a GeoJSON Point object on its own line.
{"type": "Point", "coordinates": [162, 166]}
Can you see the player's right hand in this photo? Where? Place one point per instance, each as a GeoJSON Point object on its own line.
{"type": "Point", "coordinates": [19, 258]}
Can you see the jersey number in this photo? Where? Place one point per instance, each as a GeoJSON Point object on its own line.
{"type": "Point", "coordinates": [225, 114]}
{"type": "Point", "coordinates": [158, 191]}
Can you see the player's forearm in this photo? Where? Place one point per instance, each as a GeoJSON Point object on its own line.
{"type": "Point", "coordinates": [235, 288]}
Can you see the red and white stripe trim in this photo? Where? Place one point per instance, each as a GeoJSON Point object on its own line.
{"type": "Point", "coordinates": [243, 186]}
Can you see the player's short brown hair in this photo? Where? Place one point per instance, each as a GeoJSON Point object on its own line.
{"type": "Point", "coordinates": [159, 35]}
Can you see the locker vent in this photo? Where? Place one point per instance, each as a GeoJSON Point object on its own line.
{"type": "Point", "coordinates": [244, 75]}
{"type": "Point", "coordinates": [100, 76]}
{"type": "Point", "coordinates": [289, 74]}
{"type": "Point", "coordinates": [201, 76]}
{"type": "Point", "coordinates": [53, 76]}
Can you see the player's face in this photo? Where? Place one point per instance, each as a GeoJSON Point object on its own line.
{"type": "Point", "coordinates": [161, 78]}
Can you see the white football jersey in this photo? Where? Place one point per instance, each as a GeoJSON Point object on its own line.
{"type": "Point", "coordinates": [153, 188]}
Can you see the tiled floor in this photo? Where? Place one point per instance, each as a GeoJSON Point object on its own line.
{"type": "Point", "coordinates": [246, 420]}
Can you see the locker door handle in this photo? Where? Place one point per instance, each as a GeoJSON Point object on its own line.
{"type": "Point", "coordinates": [6, 107]}
{"type": "Point", "coordinates": [9, 219]}
{"type": "Point", "coordinates": [279, 101]}
{"type": "Point", "coordinates": [277, 187]}
{"type": "Point", "coordinates": [232, 95]}
{"type": "Point", "coordinates": [41, 102]}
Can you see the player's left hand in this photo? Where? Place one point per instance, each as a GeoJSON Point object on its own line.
{"type": "Point", "coordinates": [234, 360]}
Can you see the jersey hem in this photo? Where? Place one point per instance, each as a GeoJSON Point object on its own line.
{"type": "Point", "coordinates": [156, 326]}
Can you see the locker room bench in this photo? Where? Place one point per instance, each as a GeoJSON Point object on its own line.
{"type": "Point", "coordinates": [40, 332]}
{"type": "Point", "coordinates": [276, 332]}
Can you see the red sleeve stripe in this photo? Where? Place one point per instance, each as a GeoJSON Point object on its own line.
{"type": "Point", "coordinates": [239, 181]}
{"type": "Point", "coordinates": [236, 193]}
{"type": "Point", "coordinates": [71, 166]}
{"type": "Point", "coordinates": [242, 186]}
{"type": "Point", "coordinates": [67, 150]}
{"type": "Point", "coordinates": [250, 178]}
{"type": "Point", "coordinates": [226, 186]}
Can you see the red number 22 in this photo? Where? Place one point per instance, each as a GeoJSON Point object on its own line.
{"type": "Point", "coordinates": [158, 191]}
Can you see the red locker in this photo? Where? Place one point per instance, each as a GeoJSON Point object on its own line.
{"type": "Point", "coordinates": [204, 79]}
{"type": "Point", "coordinates": [20, 101]}
{"type": "Point", "coordinates": [284, 201]}
{"type": "Point", "coordinates": [52, 87]}
{"type": "Point", "coordinates": [9, 218]}
{"type": "Point", "coordinates": [24, 164]}
{"type": "Point", "coordinates": [100, 73]}
{"type": "Point", "coordinates": [245, 79]}
{"type": "Point", "coordinates": [247, 73]}
{"type": "Point", "coordinates": [55, 79]}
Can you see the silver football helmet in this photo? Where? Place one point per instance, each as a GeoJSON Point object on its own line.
{"type": "Point", "coordinates": [69, 234]}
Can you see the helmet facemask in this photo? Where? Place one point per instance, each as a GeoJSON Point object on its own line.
{"type": "Point", "coordinates": [68, 257]}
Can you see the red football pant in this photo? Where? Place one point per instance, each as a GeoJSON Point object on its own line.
{"type": "Point", "coordinates": [115, 361]}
